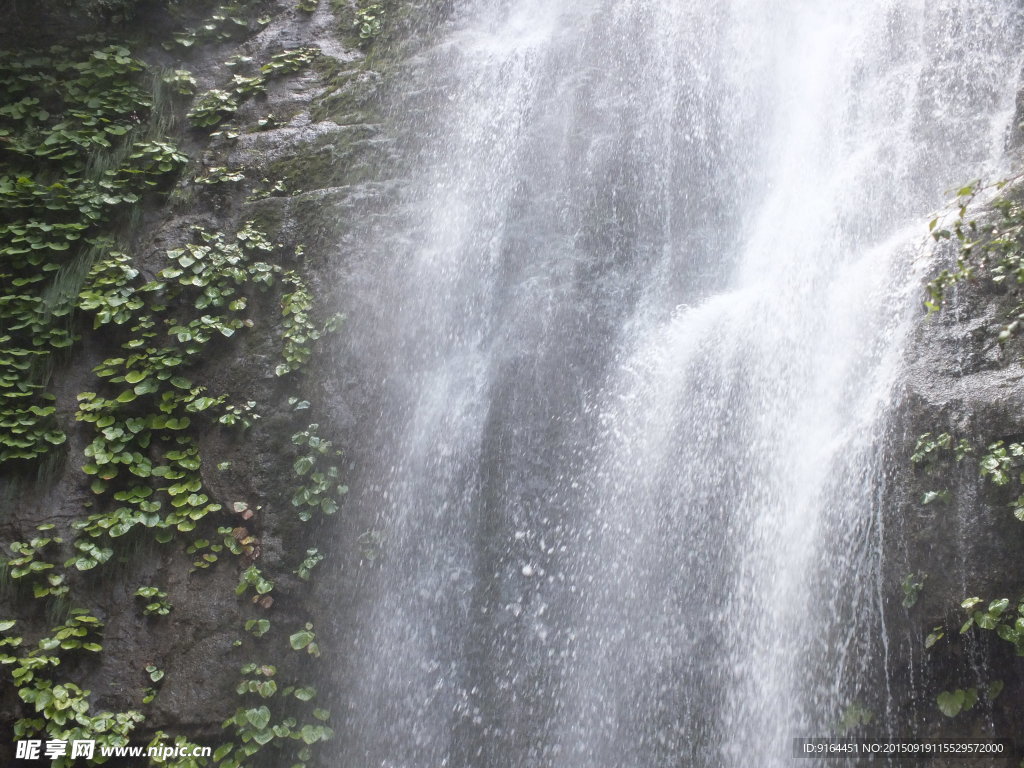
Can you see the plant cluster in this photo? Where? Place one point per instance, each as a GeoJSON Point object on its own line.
{"type": "Point", "coordinates": [73, 159]}
{"type": "Point", "coordinates": [60, 710]}
{"type": "Point", "coordinates": [79, 147]}
{"type": "Point", "coordinates": [257, 728]}
{"type": "Point", "coordinates": [227, 22]}
{"type": "Point", "coordinates": [369, 21]}
{"type": "Point", "coordinates": [158, 605]}
{"type": "Point", "coordinates": [28, 562]}
{"type": "Point", "coordinates": [219, 104]}
{"type": "Point", "coordinates": [320, 488]}
{"type": "Point", "coordinates": [143, 456]}
{"type": "Point", "coordinates": [952, 703]}
{"type": "Point", "coordinates": [300, 331]}
{"type": "Point", "coordinates": [991, 249]}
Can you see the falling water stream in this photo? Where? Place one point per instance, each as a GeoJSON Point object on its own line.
{"type": "Point", "coordinates": [632, 327]}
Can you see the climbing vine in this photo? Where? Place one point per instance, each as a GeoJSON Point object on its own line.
{"type": "Point", "coordinates": [75, 155]}
{"type": "Point", "coordinates": [989, 250]}
{"type": "Point", "coordinates": [84, 141]}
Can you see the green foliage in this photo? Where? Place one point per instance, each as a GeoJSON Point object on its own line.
{"type": "Point", "coordinates": [218, 104]}
{"type": "Point", "coordinates": [300, 332]}
{"type": "Point", "coordinates": [158, 605]}
{"type": "Point", "coordinates": [934, 636]}
{"type": "Point", "coordinates": [81, 149]}
{"type": "Point", "coordinates": [219, 175]}
{"type": "Point", "coordinates": [256, 727]}
{"type": "Point", "coordinates": [181, 80]}
{"type": "Point", "coordinates": [320, 488]}
{"type": "Point", "coordinates": [227, 22]}
{"type": "Point", "coordinates": [252, 578]}
{"type": "Point", "coordinates": [60, 710]}
{"type": "Point", "coordinates": [73, 161]}
{"type": "Point", "coordinates": [142, 456]}
{"type": "Point", "coordinates": [855, 716]}
{"type": "Point", "coordinates": [1002, 464]}
{"type": "Point", "coordinates": [209, 551]}
{"type": "Point", "coordinates": [930, 450]}
{"type": "Point", "coordinates": [312, 560]}
{"type": "Point", "coordinates": [28, 562]}
{"type": "Point", "coordinates": [932, 454]}
{"type": "Point", "coordinates": [213, 107]}
{"type": "Point", "coordinates": [257, 627]}
{"type": "Point", "coordinates": [369, 21]}
{"type": "Point", "coordinates": [1001, 461]}
{"type": "Point", "coordinates": [305, 639]}
{"type": "Point", "coordinates": [952, 703]}
{"type": "Point", "coordinates": [992, 249]}
{"type": "Point", "coordinates": [999, 616]}
{"type": "Point", "coordinates": [912, 585]}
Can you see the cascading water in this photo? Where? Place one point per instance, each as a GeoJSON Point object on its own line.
{"type": "Point", "coordinates": [632, 327]}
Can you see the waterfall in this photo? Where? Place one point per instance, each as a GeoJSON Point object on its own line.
{"type": "Point", "coordinates": [629, 330]}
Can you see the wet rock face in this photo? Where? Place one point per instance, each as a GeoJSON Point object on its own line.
{"type": "Point", "coordinates": [960, 380]}
{"type": "Point", "coordinates": [301, 147]}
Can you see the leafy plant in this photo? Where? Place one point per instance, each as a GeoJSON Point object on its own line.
{"type": "Point", "coordinates": [252, 578]}
{"type": "Point", "coordinates": [213, 107]}
{"type": "Point", "coordinates": [1001, 461]}
{"type": "Point", "coordinates": [992, 249]}
{"type": "Point", "coordinates": [219, 175]}
{"type": "Point", "coordinates": [1007, 621]}
{"type": "Point", "coordinates": [255, 725]}
{"type": "Point", "coordinates": [855, 716]}
{"type": "Point", "coordinates": [218, 104]}
{"type": "Point", "coordinates": [305, 639]}
{"type": "Point", "coordinates": [952, 703]}
{"type": "Point", "coordinates": [934, 636]}
{"type": "Point", "coordinates": [320, 489]}
{"type": "Point", "coordinates": [28, 562]}
{"type": "Point", "coordinates": [369, 21]}
{"type": "Point", "coordinates": [257, 627]}
{"type": "Point", "coordinates": [299, 329]}
{"type": "Point", "coordinates": [158, 605]}
{"type": "Point", "coordinates": [312, 560]}
{"type": "Point", "coordinates": [70, 170]}
{"type": "Point", "coordinates": [181, 80]}
{"type": "Point", "coordinates": [912, 585]}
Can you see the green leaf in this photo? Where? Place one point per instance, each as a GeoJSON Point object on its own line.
{"type": "Point", "coordinates": [222, 751]}
{"type": "Point", "coordinates": [951, 702]}
{"type": "Point", "coordinates": [970, 698]}
{"type": "Point", "coordinates": [259, 718]}
{"type": "Point", "coordinates": [301, 639]}
{"type": "Point", "coordinates": [996, 607]}
{"type": "Point", "coordinates": [985, 620]}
